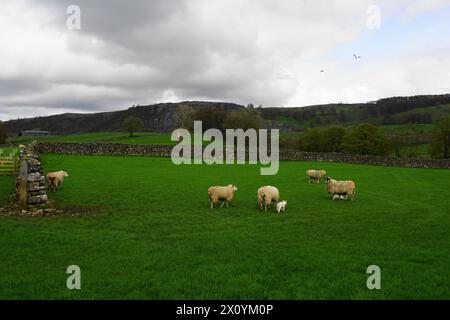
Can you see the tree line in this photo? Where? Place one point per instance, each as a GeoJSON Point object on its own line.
{"type": "Point", "coordinates": [364, 139]}
{"type": "Point", "coordinates": [219, 118]}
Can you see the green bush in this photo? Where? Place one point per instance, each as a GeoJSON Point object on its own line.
{"type": "Point", "coordinates": [366, 139]}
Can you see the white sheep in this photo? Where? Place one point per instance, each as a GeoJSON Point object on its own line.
{"type": "Point", "coordinates": [266, 195]}
{"type": "Point", "coordinates": [281, 206]}
{"type": "Point", "coordinates": [221, 193]}
{"type": "Point", "coordinates": [22, 147]}
{"type": "Point", "coordinates": [341, 189]}
{"type": "Point", "coordinates": [315, 175]}
{"type": "Point", "coordinates": [55, 179]}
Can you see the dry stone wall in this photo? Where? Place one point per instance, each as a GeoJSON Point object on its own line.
{"type": "Point", "coordinates": [31, 184]}
{"type": "Point", "coordinates": [158, 150]}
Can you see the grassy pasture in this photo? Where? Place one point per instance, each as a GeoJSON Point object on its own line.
{"type": "Point", "coordinates": [117, 137]}
{"type": "Point", "coordinates": [156, 237]}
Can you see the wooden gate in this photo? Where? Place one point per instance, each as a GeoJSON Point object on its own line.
{"type": "Point", "coordinates": [9, 166]}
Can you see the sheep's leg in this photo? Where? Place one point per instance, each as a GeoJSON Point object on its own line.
{"type": "Point", "coordinates": [227, 203]}
{"type": "Point", "coordinates": [222, 204]}
{"type": "Point", "coordinates": [212, 205]}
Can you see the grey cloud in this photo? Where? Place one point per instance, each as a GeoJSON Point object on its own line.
{"type": "Point", "coordinates": [265, 52]}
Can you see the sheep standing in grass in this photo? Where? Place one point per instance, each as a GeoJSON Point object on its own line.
{"type": "Point", "coordinates": [341, 189]}
{"type": "Point", "coordinates": [315, 175]}
{"type": "Point", "coordinates": [221, 193]}
{"type": "Point", "coordinates": [281, 206]}
{"type": "Point", "coordinates": [266, 195]}
{"type": "Point", "coordinates": [55, 179]}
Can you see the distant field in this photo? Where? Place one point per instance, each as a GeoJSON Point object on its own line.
{"type": "Point", "coordinates": [157, 239]}
{"type": "Point", "coordinates": [117, 137]}
{"type": "Point", "coordinates": [418, 133]}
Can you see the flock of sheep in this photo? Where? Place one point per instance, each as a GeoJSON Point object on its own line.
{"type": "Point", "coordinates": [268, 194]}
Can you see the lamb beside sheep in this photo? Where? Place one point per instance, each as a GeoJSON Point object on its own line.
{"type": "Point", "coordinates": [266, 195]}
{"type": "Point", "coordinates": [338, 196]}
{"type": "Point", "coordinates": [341, 189]}
{"type": "Point", "coordinates": [315, 175]}
{"type": "Point", "coordinates": [55, 179]}
{"type": "Point", "coordinates": [281, 206]}
{"type": "Point", "coordinates": [221, 193]}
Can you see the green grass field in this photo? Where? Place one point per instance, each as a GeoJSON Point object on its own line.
{"type": "Point", "coordinates": [117, 137]}
{"type": "Point", "coordinates": [156, 237]}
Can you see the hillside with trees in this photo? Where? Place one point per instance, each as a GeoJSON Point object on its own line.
{"type": "Point", "coordinates": [400, 126]}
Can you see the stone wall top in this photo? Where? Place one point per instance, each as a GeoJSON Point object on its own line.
{"type": "Point", "coordinates": [160, 150]}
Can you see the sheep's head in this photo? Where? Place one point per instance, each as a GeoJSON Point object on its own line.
{"type": "Point", "coordinates": [323, 172]}
{"type": "Point", "coordinates": [328, 179]}
{"type": "Point", "coordinates": [64, 174]}
{"type": "Point", "coordinates": [233, 187]}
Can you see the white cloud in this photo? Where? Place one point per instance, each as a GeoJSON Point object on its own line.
{"type": "Point", "coordinates": [265, 52]}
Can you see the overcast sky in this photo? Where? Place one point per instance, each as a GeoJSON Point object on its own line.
{"type": "Point", "coordinates": [266, 52]}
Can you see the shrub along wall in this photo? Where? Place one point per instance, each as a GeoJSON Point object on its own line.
{"type": "Point", "coordinates": [158, 150]}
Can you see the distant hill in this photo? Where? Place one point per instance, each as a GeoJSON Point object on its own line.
{"type": "Point", "coordinates": [389, 111]}
{"type": "Point", "coordinates": [157, 118]}
{"type": "Point", "coordinates": [161, 117]}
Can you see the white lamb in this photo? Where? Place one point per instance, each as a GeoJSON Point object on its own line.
{"type": "Point", "coordinates": [281, 206]}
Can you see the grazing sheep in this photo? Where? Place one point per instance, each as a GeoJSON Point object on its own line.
{"type": "Point", "coordinates": [55, 179]}
{"type": "Point", "coordinates": [341, 189]}
{"type": "Point", "coordinates": [222, 193]}
{"type": "Point", "coordinates": [266, 195]}
{"type": "Point", "coordinates": [281, 206]}
{"type": "Point", "coordinates": [315, 175]}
